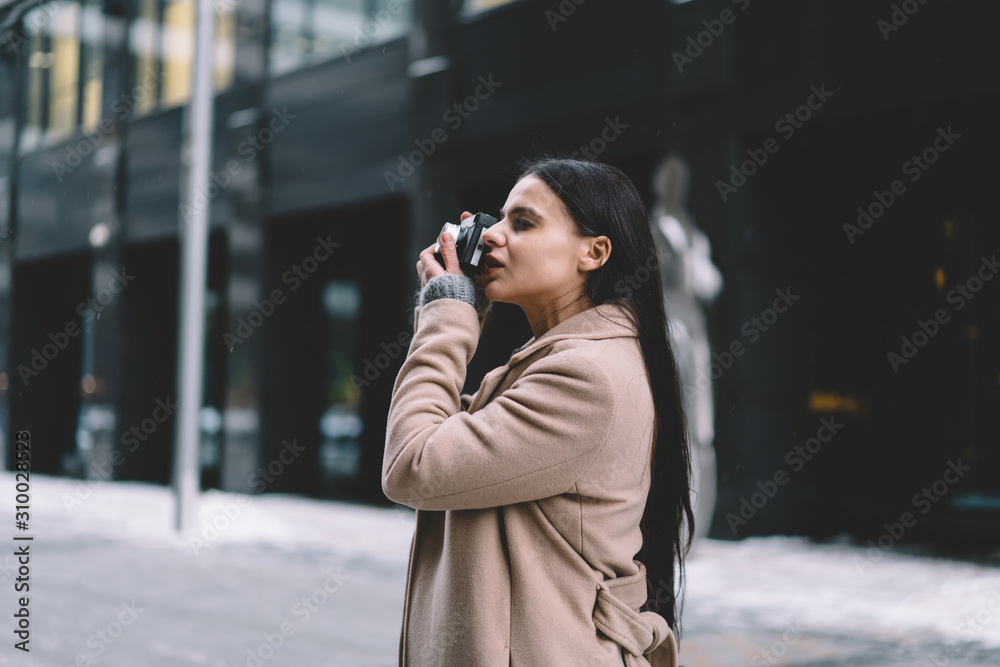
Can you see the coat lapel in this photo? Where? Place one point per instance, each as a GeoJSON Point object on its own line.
{"type": "Point", "coordinates": [592, 323]}
{"type": "Point", "coordinates": [489, 384]}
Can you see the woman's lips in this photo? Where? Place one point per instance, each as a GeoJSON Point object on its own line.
{"type": "Point", "coordinates": [491, 265]}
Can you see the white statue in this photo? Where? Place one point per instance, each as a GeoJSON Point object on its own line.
{"type": "Point", "coordinates": [690, 279]}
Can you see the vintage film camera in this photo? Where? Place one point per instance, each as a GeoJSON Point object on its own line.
{"type": "Point", "coordinates": [468, 240]}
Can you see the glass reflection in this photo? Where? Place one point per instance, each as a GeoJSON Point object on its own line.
{"type": "Point", "coordinates": [341, 424]}
{"type": "Point", "coordinates": [304, 32]}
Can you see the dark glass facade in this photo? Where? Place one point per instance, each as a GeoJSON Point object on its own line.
{"type": "Point", "coordinates": [841, 163]}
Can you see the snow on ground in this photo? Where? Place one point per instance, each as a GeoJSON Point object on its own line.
{"type": "Point", "coordinates": [836, 588]}
{"type": "Point", "coordinates": [66, 509]}
{"type": "Point", "coordinates": [758, 582]}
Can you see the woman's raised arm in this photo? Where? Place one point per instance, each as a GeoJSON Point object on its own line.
{"type": "Point", "coordinates": [533, 441]}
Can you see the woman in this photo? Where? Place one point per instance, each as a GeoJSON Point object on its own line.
{"type": "Point", "coordinates": [541, 531]}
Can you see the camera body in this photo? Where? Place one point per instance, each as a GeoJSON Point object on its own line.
{"type": "Point", "coordinates": [468, 240]}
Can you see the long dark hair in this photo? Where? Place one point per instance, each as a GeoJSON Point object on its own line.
{"type": "Point", "coordinates": [603, 201]}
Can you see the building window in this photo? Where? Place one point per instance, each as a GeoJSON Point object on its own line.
{"type": "Point", "coordinates": [92, 64]}
{"type": "Point", "coordinates": [176, 52]}
{"type": "Point", "coordinates": [304, 32]}
{"type": "Point", "coordinates": [161, 41]}
{"type": "Point", "coordinates": [341, 424]}
{"type": "Point", "coordinates": [64, 43]}
{"type": "Point", "coordinates": [65, 61]}
{"type": "Point", "coordinates": [143, 40]}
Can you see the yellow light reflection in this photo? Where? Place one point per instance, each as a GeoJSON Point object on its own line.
{"type": "Point", "coordinates": [825, 401]}
{"type": "Point", "coordinates": [178, 50]}
{"type": "Point", "coordinates": [93, 67]}
{"type": "Point", "coordinates": [224, 54]}
{"type": "Point", "coordinates": [144, 39]}
{"type": "Point", "coordinates": [949, 228]}
{"type": "Point", "coordinates": [64, 71]}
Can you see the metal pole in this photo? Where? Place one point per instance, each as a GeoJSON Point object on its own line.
{"type": "Point", "coordinates": [193, 222]}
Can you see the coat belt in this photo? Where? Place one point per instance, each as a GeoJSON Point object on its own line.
{"type": "Point", "coordinates": [645, 636]}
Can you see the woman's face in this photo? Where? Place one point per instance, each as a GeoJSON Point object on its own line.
{"type": "Point", "coordinates": [545, 259]}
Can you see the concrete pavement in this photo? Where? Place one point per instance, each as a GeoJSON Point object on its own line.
{"type": "Point", "coordinates": [280, 580]}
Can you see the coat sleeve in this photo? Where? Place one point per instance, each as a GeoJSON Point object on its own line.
{"type": "Point", "coordinates": [532, 441]}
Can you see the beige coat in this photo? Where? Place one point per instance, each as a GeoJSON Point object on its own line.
{"type": "Point", "coordinates": [528, 496]}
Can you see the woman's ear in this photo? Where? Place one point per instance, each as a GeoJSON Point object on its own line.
{"type": "Point", "coordinates": [598, 250]}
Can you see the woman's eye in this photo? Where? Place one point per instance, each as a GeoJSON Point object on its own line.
{"type": "Point", "coordinates": [521, 222]}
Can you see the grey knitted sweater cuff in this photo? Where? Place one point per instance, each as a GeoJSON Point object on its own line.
{"type": "Point", "coordinates": [454, 286]}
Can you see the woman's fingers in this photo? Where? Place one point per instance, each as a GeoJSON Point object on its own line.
{"type": "Point", "coordinates": [450, 253]}
{"type": "Point", "coordinates": [428, 265]}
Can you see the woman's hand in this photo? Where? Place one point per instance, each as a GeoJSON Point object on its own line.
{"type": "Point", "coordinates": [428, 267]}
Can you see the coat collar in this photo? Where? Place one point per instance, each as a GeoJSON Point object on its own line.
{"type": "Point", "coordinates": [592, 324]}
{"type": "Point", "coordinates": [600, 322]}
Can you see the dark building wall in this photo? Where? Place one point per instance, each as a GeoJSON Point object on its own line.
{"type": "Point", "coordinates": [49, 306]}
{"type": "Point", "coordinates": [299, 374]}
{"type": "Point", "coordinates": [374, 152]}
{"type": "Point", "coordinates": [784, 228]}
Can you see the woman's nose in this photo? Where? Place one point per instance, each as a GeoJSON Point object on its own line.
{"type": "Point", "coordinates": [491, 235]}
